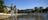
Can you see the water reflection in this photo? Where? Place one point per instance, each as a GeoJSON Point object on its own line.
{"type": "Point", "coordinates": [43, 15]}
{"type": "Point", "coordinates": [26, 19]}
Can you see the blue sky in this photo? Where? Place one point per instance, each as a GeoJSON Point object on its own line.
{"type": "Point", "coordinates": [27, 4]}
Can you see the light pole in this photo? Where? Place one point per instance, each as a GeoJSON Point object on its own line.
{"type": "Point", "coordinates": [12, 11]}
{"type": "Point", "coordinates": [15, 11]}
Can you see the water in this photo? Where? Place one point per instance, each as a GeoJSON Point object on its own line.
{"type": "Point", "coordinates": [41, 14]}
{"type": "Point", "coordinates": [45, 16]}
{"type": "Point", "coordinates": [26, 19]}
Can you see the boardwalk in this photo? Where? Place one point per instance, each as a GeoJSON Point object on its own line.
{"type": "Point", "coordinates": [12, 16]}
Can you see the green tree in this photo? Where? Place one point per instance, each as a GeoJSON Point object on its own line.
{"type": "Point", "coordinates": [36, 8]}
{"type": "Point", "coordinates": [41, 7]}
{"type": "Point", "coordinates": [47, 8]}
{"type": "Point", "coordinates": [2, 6]}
